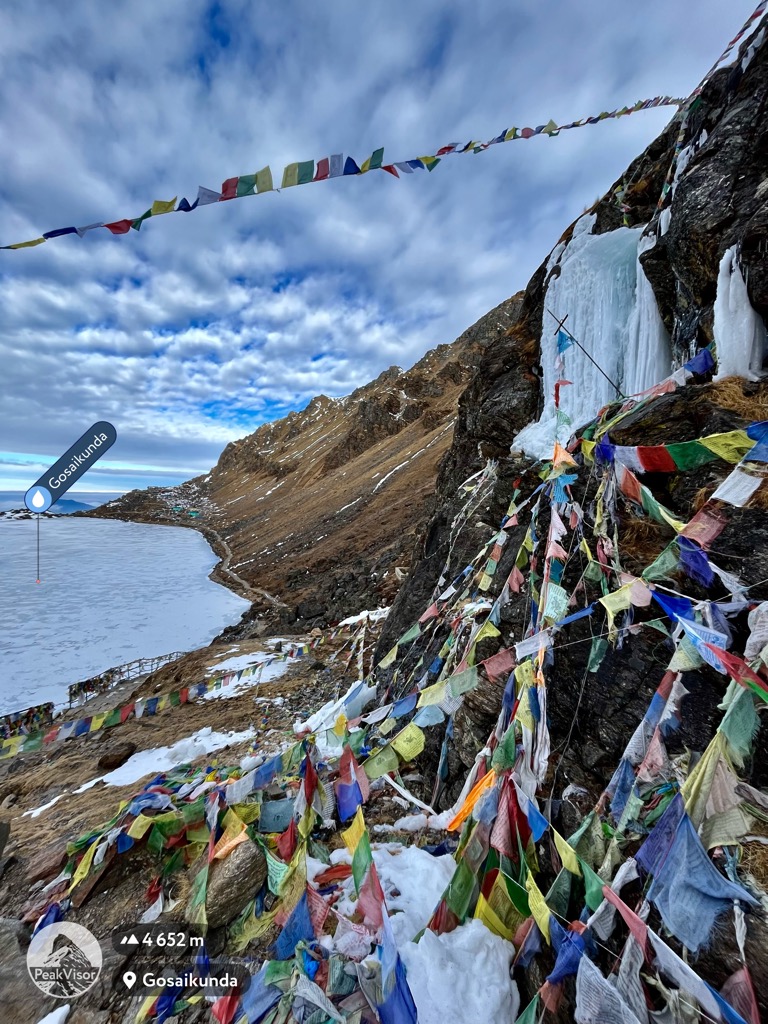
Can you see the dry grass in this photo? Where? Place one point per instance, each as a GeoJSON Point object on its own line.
{"type": "Point", "coordinates": [642, 540]}
{"type": "Point", "coordinates": [700, 498]}
{"type": "Point", "coordinates": [755, 861]}
{"type": "Point", "coordinates": [759, 499]}
{"type": "Point", "coordinates": [739, 396]}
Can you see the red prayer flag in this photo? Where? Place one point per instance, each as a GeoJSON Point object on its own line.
{"type": "Point", "coordinates": [738, 669]}
{"type": "Point", "coordinates": [119, 227]}
{"type": "Point", "coordinates": [499, 666]}
{"type": "Point", "coordinates": [560, 384]}
{"type": "Point", "coordinates": [391, 169]}
{"type": "Point", "coordinates": [228, 189]}
{"type": "Point", "coordinates": [323, 169]}
{"type": "Point", "coordinates": [656, 459]}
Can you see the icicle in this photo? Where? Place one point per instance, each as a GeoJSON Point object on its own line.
{"type": "Point", "coordinates": [739, 330]}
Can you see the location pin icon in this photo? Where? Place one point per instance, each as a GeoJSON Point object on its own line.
{"type": "Point", "coordinates": [129, 979]}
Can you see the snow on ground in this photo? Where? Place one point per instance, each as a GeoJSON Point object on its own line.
{"type": "Point", "coordinates": [458, 977]}
{"type": "Point", "coordinates": [374, 616]}
{"type": "Point", "coordinates": [463, 975]}
{"type": "Point", "coordinates": [158, 759]}
{"type": "Point", "coordinates": [163, 759]}
{"type": "Point", "coordinates": [37, 811]}
{"type": "Point", "coordinates": [272, 668]}
{"type": "Point", "coordinates": [413, 882]}
{"type": "Point", "coordinates": [57, 1016]}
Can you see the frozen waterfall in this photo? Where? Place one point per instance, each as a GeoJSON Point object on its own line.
{"type": "Point", "coordinates": [739, 331]}
{"type": "Point", "coordinates": [612, 312]}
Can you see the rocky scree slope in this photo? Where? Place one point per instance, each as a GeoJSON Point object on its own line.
{"type": "Point", "coordinates": [315, 515]}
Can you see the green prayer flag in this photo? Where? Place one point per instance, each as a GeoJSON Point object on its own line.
{"type": "Point", "coordinates": [597, 653]}
{"type": "Point", "coordinates": [530, 1014]}
{"type": "Point", "coordinates": [136, 224]}
{"type": "Point", "coordinates": [245, 184]}
{"type": "Point", "coordinates": [593, 886]}
{"type": "Point", "coordinates": [381, 763]}
{"type": "Point", "coordinates": [690, 455]}
{"type": "Point", "coordinates": [559, 893]}
{"type": "Point", "coordinates": [665, 565]}
{"type": "Point", "coordinates": [505, 753]}
{"type": "Point", "coordinates": [462, 682]}
{"type": "Point", "coordinates": [410, 634]}
{"type": "Point", "coordinates": [306, 172]}
{"type": "Point", "coordinates": [361, 860]}
{"type": "Point", "coordinates": [156, 841]}
{"type": "Point", "coordinates": [462, 890]}
{"type": "Point", "coordinates": [276, 872]}
{"type": "Point", "coordinates": [278, 970]}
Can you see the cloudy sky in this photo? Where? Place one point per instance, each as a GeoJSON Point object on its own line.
{"type": "Point", "coordinates": [200, 327]}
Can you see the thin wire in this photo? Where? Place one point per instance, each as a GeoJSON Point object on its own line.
{"type": "Point", "coordinates": [615, 956]}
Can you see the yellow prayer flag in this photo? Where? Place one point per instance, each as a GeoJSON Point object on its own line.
{"type": "Point", "coordinates": [524, 676]}
{"type": "Point", "coordinates": [431, 695]}
{"type": "Point", "coordinates": [26, 245]}
{"type": "Point", "coordinates": [341, 725]}
{"type": "Point", "coordinates": [264, 182]}
{"type": "Point", "coordinates": [140, 827]}
{"type": "Point", "coordinates": [388, 658]}
{"type": "Point", "coordinates": [487, 629]}
{"type": "Point", "coordinates": [355, 832]}
{"type": "Point", "coordinates": [84, 866]}
{"type": "Point", "coordinates": [524, 715]}
{"type": "Point", "coordinates": [618, 601]}
{"type": "Point", "coordinates": [567, 853]}
{"type": "Point", "coordinates": [731, 446]}
{"type": "Point", "coordinates": [160, 206]}
{"type": "Point", "coordinates": [409, 743]}
{"type": "Point", "coordinates": [585, 548]}
{"type": "Point", "coordinates": [97, 721]}
{"type": "Point", "coordinates": [290, 175]}
{"type": "Point", "coordinates": [539, 909]}
{"type": "Point", "coordinates": [233, 834]}
{"type": "Point", "coordinates": [587, 448]}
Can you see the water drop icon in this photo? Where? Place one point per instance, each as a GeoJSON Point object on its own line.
{"type": "Point", "coordinates": [38, 498]}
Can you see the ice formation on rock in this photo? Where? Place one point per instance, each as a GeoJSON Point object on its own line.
{"type": "Point", "coordinates": [612, 312]}
{"type": "Point", "coordinates": [739, 330]}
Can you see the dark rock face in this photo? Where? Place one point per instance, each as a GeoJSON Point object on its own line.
{"type": "Point", "coordinates": [720, 200]}
{"type": "Point", "coordinates": [116, 755]}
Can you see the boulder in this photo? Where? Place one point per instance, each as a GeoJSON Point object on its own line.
{"type": "Point", "coordinates": [13, 935]}
{"type": "Point", "coordinates": [232, 882]}
{"type": "Point", "coordinates": [116, 755]}
{"type": "Point", "coordinates": [48, 862]}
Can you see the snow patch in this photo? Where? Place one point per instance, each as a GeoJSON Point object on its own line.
{"type": "Point", "coordinates": [463, 975]}
{"type": "Point", "coordinates": [163, 759]}
{"type": "Point", "coordinates": [373, 616]}
{"type": "Point", "coordinates": [57, 1016]}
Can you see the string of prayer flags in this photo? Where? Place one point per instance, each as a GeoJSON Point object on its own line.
{"type": "Point", "coordinates": [307, 172]}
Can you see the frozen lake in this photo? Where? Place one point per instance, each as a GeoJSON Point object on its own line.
{"type": "Point", "coordinates": [110, 592]}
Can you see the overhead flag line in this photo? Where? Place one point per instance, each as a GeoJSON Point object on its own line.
{"type": "Point", "coordinates": [336, 166]}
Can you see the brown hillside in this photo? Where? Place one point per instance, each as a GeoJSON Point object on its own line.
{"type": "Point", "coordinates": [315, 515]}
